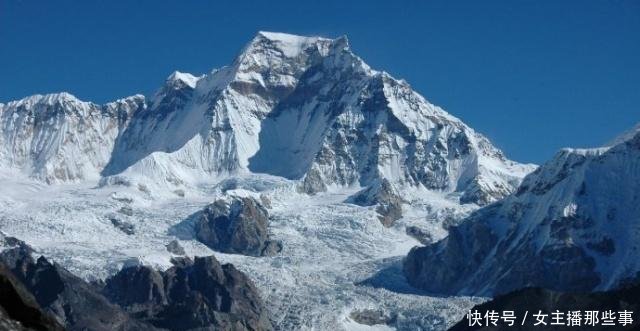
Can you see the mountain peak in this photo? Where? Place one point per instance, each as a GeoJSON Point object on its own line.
{"type": "Point", "coordinates": [287, 38]}
{"type": "Point", "coordinates": [48, 99]}
{"type": "Point", "coordinates": [289, 45]}
{"type": "Point", "coordinates": [178, 77]}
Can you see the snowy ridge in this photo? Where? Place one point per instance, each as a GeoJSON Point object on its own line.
{"type": "Point", "coordinates": [58, 138]}
{"type": "Point", "coordinates": [572, 225]}
{"type": "Point", "coordinates": [305, 108]}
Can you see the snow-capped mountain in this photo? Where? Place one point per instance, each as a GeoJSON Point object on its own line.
{"type": "Point", "coordinates": [572, 225]}
{"type": "Point", "coordinates": [304, 108]}
{"type": "Point", "coordinates": [58, 138]}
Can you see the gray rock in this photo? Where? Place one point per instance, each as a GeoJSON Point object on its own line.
{"type": "Point", "coordinates": [372, 317]}
{"type": "Point", "coordinates": [453, 265]}
{"type": "Point", "coordinates": [19, 310]}
{"type": "Point", "coordinates": [139, 289]}
{"type": "Point", "coordinates": [423, 236]}
{"type": "Point", "coordinates": [181, 261]}
{"type": "Point", "coordinates": [175, 248]}
{"type": "Point", "coordinates": [126, 210]}
{"type": "Point", "coordinates": [238, 226]}
{"type": "Point", "coordinates": [312, 183]}
{"type": "Point", "coordinates": [272, 248]}
{"type": "Point", "coordinates": [73, 302]}
{"type": "Point", "coordinates": [265, 201]}
{"type": "Point", "coordinates": [194, 295]}
{"type": "Point", "coordinates": [123, 226]}
{"type": "Point", "coordinates": [383, 194]}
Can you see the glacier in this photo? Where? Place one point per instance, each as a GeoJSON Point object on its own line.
{"type": "Point", "coordinates": [301, 120]}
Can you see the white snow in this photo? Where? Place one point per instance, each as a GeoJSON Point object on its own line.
{"type": "Point", "coordinates": [286, 106]}
{"type": "Point", "coordinates": [186, 78]}
{"type": "Point", "coordinates": [290, 45]}
{"type": "Point", "coordinates": [329, 246]}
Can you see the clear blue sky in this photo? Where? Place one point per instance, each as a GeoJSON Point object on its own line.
{"type": "Point", "coordinates": [534, 76]}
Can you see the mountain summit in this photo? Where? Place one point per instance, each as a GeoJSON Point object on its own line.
{"type": "Point", "coordinates": [303, 108]}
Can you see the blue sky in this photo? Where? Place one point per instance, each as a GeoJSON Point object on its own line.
{"type": "Point", "coordinates": [534, 76]}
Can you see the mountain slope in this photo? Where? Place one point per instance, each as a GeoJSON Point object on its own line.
{"type": "Point", "coordinates": [303, 108]}
{"type": "Point", "coordinates": [58, 138]}
{"type": "Point", "coordinates": [572, 225]}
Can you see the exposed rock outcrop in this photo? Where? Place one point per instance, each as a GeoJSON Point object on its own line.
{"type": "Point", "coordinates": [174, 247]}
{"type": "Point", "coordinates": [386, 197]}
{"type": "Point", "coordinates": [123, 226]}
{"type": "Point", "coordinates": [372, 317]}
{"type": "Point", "coordinates": [74, 303]}
{"type": "Point", "coordinates": [237, 225]}
{"type": "Point", "coordinates": [423, 236]}
{"type": "Point", "coordinates": [19, 310]}
{"type": "Point", "coordinates": [223, 297]}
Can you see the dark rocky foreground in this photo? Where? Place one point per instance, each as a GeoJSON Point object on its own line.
{"type": "Point", "coordinates": [548, 301]}
{"type": "Point", "coordinates": [223, 297]}
{"type": "Point", "coordinates": [19, 310]}
{"type": "Point", "coordinates": [238, 226]}
{"type": "Point", "coordinates": [193, 295]}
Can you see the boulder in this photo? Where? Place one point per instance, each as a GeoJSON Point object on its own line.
{"type": "Point", "coordinates": [423, 236]}
{"type": "Point", "coordinates": [174, 247]}
{"type": "Point", "coordinates": [238, 226]}
{"type": "Point", "coordinates": [385, 196]}
{"type": "Point", "coordinates": [123, 226]}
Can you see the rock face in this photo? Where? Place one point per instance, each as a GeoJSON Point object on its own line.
{"type": "Point", "coordinates": [387, 199]}
{"type": "Point", "coordinates": [58, 138]}
{"type": "Point", "coordinates": [18, 308]}
{"type": "Point", "coordinates": [175, 248]}
{"type": "Point", "coordinates": [372, 317]}
{"type": "Point", "coordinates": [572, 225]}
{"type": "Point", "coordinates": [237, 226]}
{"type": "Point", "coordinates": [535, 299]}
{"type": "Point", "coordinates": [74, 303]}
{"type": "Point", "coordinates": [123, 226]}
{"type": "Point", "coordinates": [193, 295]}
{"type": "Point", "coordinates": [223, 297]}
{"type": "Point", "coordinates": [304, 108]}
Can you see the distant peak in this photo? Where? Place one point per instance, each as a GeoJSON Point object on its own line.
{"type": "Point", "coordinates": [62, 96]}
{"type": "Point", "coordinates": [132, 98]}
{"type": "Point", "coordinates": [49, 99]}
{"type": "Point", "coordinates": [183, 77]}
{"type": "Point", "coordinates": [288, 38]}
{"type": "Point", "coordinates": [292, 45]}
